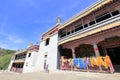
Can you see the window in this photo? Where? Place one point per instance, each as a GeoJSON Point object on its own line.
{"type": "Point", "coordinates": [24, 55]}
{"type": "Point", "coordinates": [68, 33]}
{"type": "Point", "coordinates": [78, 28]}
{"type": "Point", "coordinates": [114, 13]}
{"type": "Point", "coordinates": [63, 34]}
{"type": "Point", "coordinates": [103, 17]}
{"type": "Point", "coordinates": [29, 55]}
{"type": "Point", "coordinates": [47, 41]}
{"type": "Point", "coordinates": [86, 25]}
{"type": "Point", "coordinates": [45, 56]}
{"type": "Point", "coordinates": [91, 23]}
{"type": "Point", "coordinates": [72, 31]}
{"type": "Point", "coordinates": [16, 57]}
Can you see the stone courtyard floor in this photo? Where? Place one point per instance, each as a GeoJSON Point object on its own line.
{"type": "Point", "coordinates": [59, 75]}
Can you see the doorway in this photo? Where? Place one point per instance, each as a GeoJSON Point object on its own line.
{"type": "Point", "coordinates": [114, 54]}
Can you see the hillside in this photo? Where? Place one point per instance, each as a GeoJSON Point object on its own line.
{"type": "Point", "coordinates": [5, 57]}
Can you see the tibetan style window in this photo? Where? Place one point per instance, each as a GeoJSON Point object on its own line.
{"type": "Point", "coordinates": [103, 17]}
{"type": "Point", "coordinates": [86, 25]}
{"type": "Point", "coordinates": [72, 31]}
{"type": "Point", "coordinates": [29, 55]}
{"type": "Point", "coordinates": [24, 55]}
{"type": "Point", "coordinates": [63, 34]}
{"type": "Point", "coordinates": [91, 23]}
{"type": "Point", "coordinates": [78, 28]}
{"type": "Point", "coordinates": [114, 13]}
{"type": "Point", "coordinates": [47, 41]}
{"type": "Point", "coordinates": [45, 56]}
{"type": "Point", "coordinates": [68, 33]}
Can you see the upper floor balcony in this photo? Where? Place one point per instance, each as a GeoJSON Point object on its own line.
{"type": "Point", "coordinates": [20, 57]}
{"type": "Point", "coordinates": [99, 21]}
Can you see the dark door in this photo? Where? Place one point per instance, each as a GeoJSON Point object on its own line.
{"type": "Point", "coordinates": [114, 54]}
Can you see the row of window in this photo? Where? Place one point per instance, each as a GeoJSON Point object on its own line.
{"type": "Point", "coordinates": [22, 56]}
{"type": "Point", "coordinates": [96, 20]}
{"type": "Point", "coordinates": [80, 27]}
{"type": "Point", "coordinates": [18, 65]}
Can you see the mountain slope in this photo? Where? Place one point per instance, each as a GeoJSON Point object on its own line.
{"type": "Point", "coordinates": [5, 57]}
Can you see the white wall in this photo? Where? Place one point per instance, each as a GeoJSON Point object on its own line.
{"type": "Point", "coordinates": [30, 64]}
{"type": "Point", "coordinates": [51, 51]}
{"type": "Point", "coordinates": [11, 62]}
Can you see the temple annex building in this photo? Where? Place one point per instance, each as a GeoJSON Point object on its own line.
{"type": "Point", "coordinates": [88, 41]}
{"type": "Point", "coordinates": [25, 60]}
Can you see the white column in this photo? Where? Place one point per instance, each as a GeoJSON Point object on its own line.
{"type": "Point", "coordinates": [73, 53]}
{"type": "Point", "coordinates": [97, 53]}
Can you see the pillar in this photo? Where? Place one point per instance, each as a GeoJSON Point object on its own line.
{"type": "Point", "coordinates": [96, 50]}
{"type": "Point", "coordinates": [97, 53]}
{"type": "Point", "coordinates": [73, 53]}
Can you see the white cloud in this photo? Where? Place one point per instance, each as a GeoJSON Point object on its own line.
{"type": "Point", "coordinates": [10, 41]}
{"type": "Point", "coordinates": [15, 39]}
{"type": "Point", "coordinates": [12, 38]}
{"type": "Point", "coordinates": [7, 46]}
{"type": "Point", "coordinates": [9, 37]}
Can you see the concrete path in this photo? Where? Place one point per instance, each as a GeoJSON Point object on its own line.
{"type": "Point", "coordinates": [59, 75]}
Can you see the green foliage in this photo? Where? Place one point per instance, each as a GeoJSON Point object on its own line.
{"type": "Point", "coordinates": [5, 57]}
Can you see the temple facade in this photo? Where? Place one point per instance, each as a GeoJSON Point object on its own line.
{"type": "Point", "coordinates": [91, 39]}
{"type": "Point", "coordinates": [88, 41]}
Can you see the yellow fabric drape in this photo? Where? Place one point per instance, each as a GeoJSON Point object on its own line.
{"type": "Point", "coordinates": [100, 61]}
{"type": "Point", "coordinates": [93, 61]}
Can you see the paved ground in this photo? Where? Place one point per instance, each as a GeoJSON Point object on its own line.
{"type": "Point", "coordinates": [59, 75]}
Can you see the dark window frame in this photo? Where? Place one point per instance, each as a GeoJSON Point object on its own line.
{"type": "Point", "coordinates": [47, 42]}
{"type": "Point", "coordinates": [103, 17]}
{"type": "Point", "coordinates": [92, 22]}
{"type": "Point", "coordinates": [114, 13]}
{"type": "Point", "coordinates": [29, 55]}
{"type": "Point", "coordinates": [45, 56]}
{"type": "Point", "coordinates": [78, 28]}
{"type": "Point", "coordinates": [85, 25]}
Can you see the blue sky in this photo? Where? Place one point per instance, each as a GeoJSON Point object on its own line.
{"type": "Point", "coordinates": [24, 21]}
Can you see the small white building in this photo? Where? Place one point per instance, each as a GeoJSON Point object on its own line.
{"type": "Point", "coordinates": [25, 61]}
